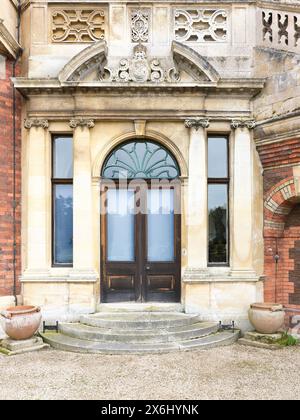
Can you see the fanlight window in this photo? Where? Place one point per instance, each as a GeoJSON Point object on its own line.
{"type": "Point", "coordinates": [140, 159]}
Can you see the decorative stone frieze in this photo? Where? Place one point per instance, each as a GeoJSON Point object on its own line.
{"type": "Point", "coordinates": [78, 25]}
{"type": "Point", "coordinates": [196, 123]}
{"type": "Point", "coordinates": [140, 23]}
{"type": "Point", "coordinates": [250, 124]}
{"type": "Point", "coordinates": [82, 122]}
{"type": "Point", "coordinates": [36, 122]}
{"type": "Point", "coordinates": [201, 25]}
{"type": "Point", "coordinates": [140, 69]}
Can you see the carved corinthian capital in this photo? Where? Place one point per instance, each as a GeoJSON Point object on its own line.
{"type": "Point", "coordinates": [82, 122]}
{"type": "Point", "coordinates": [250, 124]}
{"type": "Point", "coordinates": [36, 122]}
{"type": "Point", "coordinates": [196, 123]}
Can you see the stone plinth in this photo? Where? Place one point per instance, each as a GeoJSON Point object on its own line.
{"type": "Point", "coordinates": [13, 347]}
{"type": "Point", "coordinates": [263, 341]}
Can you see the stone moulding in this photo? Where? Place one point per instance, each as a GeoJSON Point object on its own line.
{"type": "Point", "coordinates": [7, 42]}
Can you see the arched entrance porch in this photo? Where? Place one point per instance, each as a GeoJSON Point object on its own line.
{"type": "Point", "coordinates": [140, 224]}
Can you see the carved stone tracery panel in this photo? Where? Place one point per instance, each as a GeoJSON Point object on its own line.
{"type": "Point", "coordinates": [78, 25]}
{"type": "Point", "coordinates": [281, 30]}
{"type": "Point", "coordinates": [140, 23]}
{"type": "Point", "coordinates": [201, 25]}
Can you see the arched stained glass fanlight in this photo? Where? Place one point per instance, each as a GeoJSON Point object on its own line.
{"type": "Point", "coordinates": [140, 159]}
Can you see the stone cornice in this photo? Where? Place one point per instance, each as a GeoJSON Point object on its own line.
{"type": "Point", "coordinates": [8, 44]}
{"type": "Point", "coordinates": [36, 122]}
{"type": "Point", "coordinates": [82, 122]}
{"type": "Point", "coordinates": [197, 123]}
{"type": "Point", "coordinates": [248, 87]}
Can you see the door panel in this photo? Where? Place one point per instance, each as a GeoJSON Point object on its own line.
{"type": "Point", "coordinates": [141, 252]}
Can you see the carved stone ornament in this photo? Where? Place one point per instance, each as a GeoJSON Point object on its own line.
{"type": "Point", "coordinates": [250, 124]}
{"type": "Point", "coordinates": [36, 122]}
{"type": "Point", "coordinates": [82, 122]}
{"type": "Point", "coordinates": [201, 25]}
{"type": "Point", "coordinates": [196, 123]}
{"type": "Point", "coordinates": [140, 69]}
{"type": "Point", "coordinates": [78, 25]}
{"type": "Point", "coordinates": [140, 25]}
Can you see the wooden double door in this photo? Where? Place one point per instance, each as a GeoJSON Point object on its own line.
{"type": "Point", "coordinates": [141, 244]}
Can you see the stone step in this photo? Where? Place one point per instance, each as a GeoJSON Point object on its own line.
{"type": "Point", "coordinates": [67, 343]}
{"type": "Point", "coordinates": [140, 307]}
{"type": "Point", "coordinates": [138, 320]}
{"type": "Point", "coordinates": [158, 335]}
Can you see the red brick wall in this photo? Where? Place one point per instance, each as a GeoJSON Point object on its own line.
{"type": "Point", "coordinates": [6, 184]}
{"type": "Point", "coordinates": [282, 223]}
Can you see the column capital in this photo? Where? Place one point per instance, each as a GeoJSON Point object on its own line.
{"type": "Point", "coordinates": [238, 123]}
{"type": "Point", "coordinates": [196, 123]}
{"type": "Point", "coordinates": [82, 122]}
{"type": "Point", "coordinates": [36, 122]}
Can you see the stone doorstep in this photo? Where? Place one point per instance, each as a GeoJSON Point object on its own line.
{"type": "Point", "coordinates": [11, 347]}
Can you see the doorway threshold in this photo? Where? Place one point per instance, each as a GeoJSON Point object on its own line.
{"type": "Point", "coordinates": [140, 307]}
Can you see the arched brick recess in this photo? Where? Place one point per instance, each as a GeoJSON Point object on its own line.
{"type": "Point", "coordinates": [282, 238]}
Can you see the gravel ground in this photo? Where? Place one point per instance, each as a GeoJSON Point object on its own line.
{"type": "Point", "coordinates": [234, 372]}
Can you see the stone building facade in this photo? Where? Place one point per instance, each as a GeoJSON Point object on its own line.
{"type": "Point", "coordinates": [204, 94]}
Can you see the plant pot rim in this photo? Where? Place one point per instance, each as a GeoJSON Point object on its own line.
{"type": "Point", "coordinates": [273, 307]}
{"type": "Point", "coordinates": [22, 310]}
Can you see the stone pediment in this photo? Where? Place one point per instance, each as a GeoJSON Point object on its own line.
{"type": "Point", "coordinates": [182, 66]}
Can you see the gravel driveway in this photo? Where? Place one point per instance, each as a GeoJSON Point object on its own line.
{"type": "Point", "coordinates": [234, 372]}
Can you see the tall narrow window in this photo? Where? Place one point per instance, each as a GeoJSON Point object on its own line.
{"type": "Point", "coordinates": [218, 189]}
{"type": "Point", "coordinates": [62, 197]}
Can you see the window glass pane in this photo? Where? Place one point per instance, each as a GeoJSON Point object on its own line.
{"type": "Point", "coordinates": [160, 226]}
{"type": "Point", "coordinates": [63, 224]}
{"type": "Point", "coordinates": [63, 157]}
{"type": "Point", "coordinates": [218, 223]}
{"type": "Point", "coordinates": [140, 159]}
{"type": "Point", "coordinates": [217, 157]}
{"type": "Point", "coordinates": [120, 225]}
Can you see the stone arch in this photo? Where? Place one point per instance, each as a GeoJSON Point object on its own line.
{"type": "Point", "coordinates": [150, 135]}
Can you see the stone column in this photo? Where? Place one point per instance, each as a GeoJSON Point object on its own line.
{"type": "Point", "coordinates": [242, 229]}
{"type": "Point", "coordinates": [197, 194]}
{"type": "Point", "coordinates": [37, 260]}
{"type": "Point", "coordinates": [83, 243]}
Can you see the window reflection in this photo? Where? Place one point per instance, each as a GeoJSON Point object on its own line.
{"type": "Point", "coordinates": [63, 157]}
{"type": "Point", "coordinates": [217, 157]}
{"type": "Point", "coordinates": [63, 224]}
{"type": "Point", "coordinates": [218, 220]}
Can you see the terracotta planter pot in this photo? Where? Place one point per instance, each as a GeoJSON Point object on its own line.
{"type": "Point", "coordinates": [21, 322]}
{"type": "Point", "coordinates": [267, 318]}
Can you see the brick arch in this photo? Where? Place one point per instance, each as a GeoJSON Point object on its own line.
{"type": "Point", "coordinates": [278, 204]}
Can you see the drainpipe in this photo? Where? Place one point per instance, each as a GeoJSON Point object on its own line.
{"type": "Point", "coordinates": [14, 202]}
